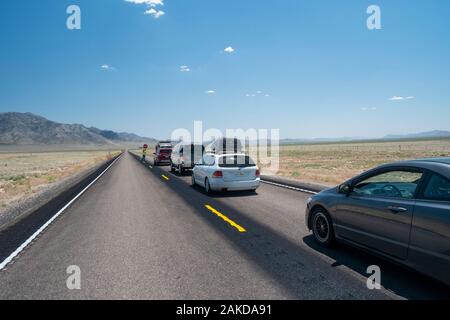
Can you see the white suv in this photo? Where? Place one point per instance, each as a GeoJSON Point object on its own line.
{"type": "Point", "coordinates": [184, 156]}
{"type": "Point", "coordinates": [226, 172]}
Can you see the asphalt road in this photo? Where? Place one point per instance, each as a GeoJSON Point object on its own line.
{"type": "Point", "coordinates": [144, 233]}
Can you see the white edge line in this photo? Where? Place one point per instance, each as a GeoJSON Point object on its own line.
{"type": "Point", "coordinates": [289, 187]}
{"type": "Point", "coordinates": [41, 229]}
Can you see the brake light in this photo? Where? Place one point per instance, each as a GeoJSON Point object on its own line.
{"type": "Point", "coordinates": [257, 173]}
{"type": "Point", "coordinates": [217, 174]}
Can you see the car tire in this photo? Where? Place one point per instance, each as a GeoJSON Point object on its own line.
{"type": "Point", "coordinates": [207, 186]}
{"type": "Point", "coordinates": [322, 227]}
{"type": "Point", "coordinates": [172, 168]}
{"type": "Point", "coordinates": [181, 169]}
{"type": "Point", "coordinates": [193, 183]}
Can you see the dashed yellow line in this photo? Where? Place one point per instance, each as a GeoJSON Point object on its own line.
{"type": "Point", "coordinates": [165, 177]}
{"type": "Point", "coordinates": [225, 218]}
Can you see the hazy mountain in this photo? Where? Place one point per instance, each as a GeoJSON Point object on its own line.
{"type": "Point", "coordinates": [428, 134]}
{"type": "Point", "coordinates": [30, 129]}
{"type": "Point", "coordinates": [422, 135]}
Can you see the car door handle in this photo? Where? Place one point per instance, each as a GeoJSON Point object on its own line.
{"type": "Point", "coordinates": [396, 209]}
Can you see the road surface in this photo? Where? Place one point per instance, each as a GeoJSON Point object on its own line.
{"type": "Point", "coordinates": [141, 232]}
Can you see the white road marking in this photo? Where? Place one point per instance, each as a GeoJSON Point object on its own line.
{"type": "Point", "coordinates": [41, 229]}
{"type": "Point", "coordinates": [289, 187]}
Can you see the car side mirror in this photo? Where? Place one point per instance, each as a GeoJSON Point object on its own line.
{"type": "Point", "coordinates": [345, 188]}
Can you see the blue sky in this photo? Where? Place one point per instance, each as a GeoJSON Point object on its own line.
{"type": "Point", "coordinates": [308, 67]}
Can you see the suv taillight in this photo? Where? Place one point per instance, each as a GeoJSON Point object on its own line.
{"type": "Point", "coordinates": [217, 174]}
{"type": "Point", "coordinates": [257, 173]}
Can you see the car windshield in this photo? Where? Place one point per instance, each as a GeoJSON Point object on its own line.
{"type": "Point", "coordinates": [236, 161]}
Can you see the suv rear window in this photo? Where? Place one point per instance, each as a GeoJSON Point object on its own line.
{"type": "Point", "coordinates": [236, 162]}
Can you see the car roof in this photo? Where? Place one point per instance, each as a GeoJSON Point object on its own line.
{"type": "Point", "coordinates": [189, 144]}
{"type": "Point", "coordinates": [444, 160]}
{"type": "Point", "coordinates": [225, 154]}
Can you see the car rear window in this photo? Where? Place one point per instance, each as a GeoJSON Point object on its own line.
{"type": "Point", "coordinates": [236, 161]}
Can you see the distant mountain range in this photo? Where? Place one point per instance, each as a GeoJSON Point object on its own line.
{"type": "Point", "coordinates": [428, 134]}
{"type": "Point", "coordinates": [27, 129]}
{"type": "Point", "coordinates": [436, 134]}
{"type": "Point", "coordinates": [30, 129]}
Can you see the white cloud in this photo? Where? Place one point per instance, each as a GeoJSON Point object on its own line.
{"type": "Point", "coordinates": [229, 49]}
{"type": "Point", "coordinates": [151, 5]}
{"type": "Point", "coordinates": [184, 69]}
{"type": "Point", "coordinates": [107, 67]}
{"type": "Point", "coordinates": [368, 108]}
{"type": "Point", "coordinates": [400, 98]}
{"type": "Point", "coordinates": [257, 93]}
{"type": "Point", "coordinates": [155, 13]}
{"type": "Point", "coordinates": [210, 92]}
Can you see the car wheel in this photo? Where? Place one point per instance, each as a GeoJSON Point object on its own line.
{"type": "Point", "coordinates": [207, 186]}
{"type": "Point", "coordinates": [193, 180]}
{"type": "Point", "coordinates": [180, 169]}
{"type": "Point", "coordinates": [322, 227]}
{"type": "Point", "coordinates": [172, 168]}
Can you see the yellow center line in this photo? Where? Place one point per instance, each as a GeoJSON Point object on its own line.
{"type": "Point", "coordinates": [165, 177]}
{"type": "Point", "coordinates": [225, 218]}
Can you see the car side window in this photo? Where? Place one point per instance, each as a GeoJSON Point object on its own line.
{"type": "Point", "coordinates": [391, 184]}
{"type": "Point", "coordinates": [438, 188]}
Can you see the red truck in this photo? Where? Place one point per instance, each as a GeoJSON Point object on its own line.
{"type": "Point", "coordinates": [163, 151]}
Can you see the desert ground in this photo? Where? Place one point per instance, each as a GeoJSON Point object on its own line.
{"type": "Point", "coordinates": [22, 174]}
{"type": "Point", "coordinates": [333, 163]}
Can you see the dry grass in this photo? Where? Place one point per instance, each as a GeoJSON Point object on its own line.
{"type": "Point", "coordinates": [22, 174]}
{"type": "Point", "coordinates": [331, 164]}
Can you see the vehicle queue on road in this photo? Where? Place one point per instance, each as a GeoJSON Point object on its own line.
{"type": "Point", "coordinates": [398, 211]}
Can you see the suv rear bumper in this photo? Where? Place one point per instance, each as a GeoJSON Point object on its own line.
{"type": "Point", "coordinates": [221, 185]}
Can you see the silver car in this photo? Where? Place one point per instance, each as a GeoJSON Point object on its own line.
{"type": "Point", "coordinates": [400, 211]}
{"type": "Point", "coordinates": [226, 172]}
